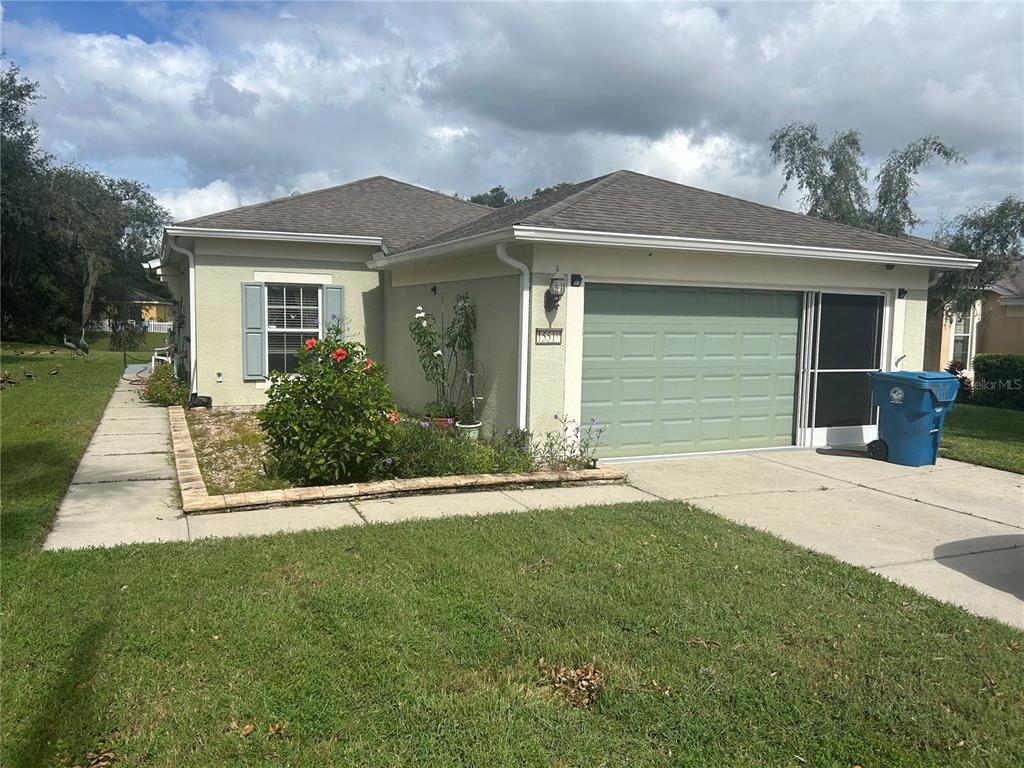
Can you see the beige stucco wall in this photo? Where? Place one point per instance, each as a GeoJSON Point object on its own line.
{"type": "Point", "coordinates": [1002, 327]}
{"type": "Point", "coordinates": [497, 305]}
{"type": "Point", "coordinates": [222, 265]}
{"type": "Point", "coordinates": [555, 371]}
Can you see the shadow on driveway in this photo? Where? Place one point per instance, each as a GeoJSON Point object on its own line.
{"type": "Point", "coordinates": [998, 562]}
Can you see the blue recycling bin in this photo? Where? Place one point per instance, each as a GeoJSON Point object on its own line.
{"type": "Point", "coordinates": [912, 407]}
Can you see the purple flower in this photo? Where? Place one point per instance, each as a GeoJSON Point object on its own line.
{"type": "Point", "coordinates": [577, 430]}
{"type": "Point", "coordinates": [451, 421]}
{"type": "Point", "coordinates": [593, 421]}
{"type": "Point", "coordinates": [424, 423]}
{"type": "Point", "coordinates": [388, 461]}
{"type": "Point", "coordinates": [556, 417]}
{"type": "Point", "coordinates": [333, 316]}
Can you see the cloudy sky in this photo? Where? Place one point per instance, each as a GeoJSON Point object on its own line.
{"type": "Point", "coordinates": [217, 105]}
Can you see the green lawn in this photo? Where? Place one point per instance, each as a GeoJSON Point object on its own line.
{"type": "Point", "coordinates": [993, 437]}
{"type": "Point", "coordinates": [418, 643]}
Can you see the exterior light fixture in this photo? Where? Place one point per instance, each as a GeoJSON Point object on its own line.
{"type": "Point", "coordinates": [555, 291]}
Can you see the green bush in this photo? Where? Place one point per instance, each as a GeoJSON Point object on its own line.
{"type": "Point", "coordinates": [418, 449]}
{"type": "Point", "coordinates": [999, 381]}
{"type": "Point", "coordinates": [163, 388]}
{"type": "Point", "coordinates": [331, 421]}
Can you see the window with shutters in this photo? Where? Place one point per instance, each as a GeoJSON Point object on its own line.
{"type": "Point", "coordinates": [293, 315]}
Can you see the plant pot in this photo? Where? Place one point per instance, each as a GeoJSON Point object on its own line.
{"type": "Point", "coordinates": [468, 431]}
{"type": "Point", "coordinates": [561, 467]}
{"type": "Point", "coordinates": [443, 423]}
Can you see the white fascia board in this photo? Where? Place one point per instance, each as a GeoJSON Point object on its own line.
{"type": "Point", "coordinates": [255, 234]}
{"type": "Point", "coordinates": [1012, 301]}
{"type": "Point", "coordinates": [530, 234]}
{"type": "Point", "coordinates": [442, 250]}
{"type": "Point", "coordinates": [620, 240]}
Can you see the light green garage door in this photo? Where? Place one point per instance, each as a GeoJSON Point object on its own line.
{"type": "Point", "coordinates": [678, 370]}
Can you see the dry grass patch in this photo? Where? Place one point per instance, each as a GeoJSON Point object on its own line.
{"type": "Point", "coordinates": [232, 451]}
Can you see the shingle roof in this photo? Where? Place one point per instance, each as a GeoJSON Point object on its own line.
{"type": "Point", "coordinates": [375, 207]}
{"type": "Point", "coordinates": [629, 202]}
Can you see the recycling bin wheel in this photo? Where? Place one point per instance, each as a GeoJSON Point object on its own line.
{"type": "Point", "coordinates": [877, 449]}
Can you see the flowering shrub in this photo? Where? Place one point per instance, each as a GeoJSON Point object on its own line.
{"type": "Point", "coordinates": [163, 388]}
{"type": "Point", "coordinates": [570, 447]}
{"type": "Point", "coordinates": [331, 420]}
{"type": "Point", "coordinates": [447, 358]}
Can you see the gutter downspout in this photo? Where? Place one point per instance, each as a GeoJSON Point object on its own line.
{"type": "Point", "coordinates": [524, 330]}
{"type": "Point", "coordinates": [192, 341]}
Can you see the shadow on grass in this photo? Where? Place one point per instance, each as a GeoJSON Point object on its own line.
{"type": "Point", "coordinates": [67, 708]}
{"type": "Point", "coordinates": [999, 562]}
{"type": "Point", "coordinates": [29, 486]}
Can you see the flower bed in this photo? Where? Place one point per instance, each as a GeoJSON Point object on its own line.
{"type": "Point", "coordinates": [195, 497]}
{"type": "Point", "coordinates": [333, 423]}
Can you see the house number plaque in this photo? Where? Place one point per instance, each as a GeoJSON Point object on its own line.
{"type": "Point", "coordinates": [549, 336]}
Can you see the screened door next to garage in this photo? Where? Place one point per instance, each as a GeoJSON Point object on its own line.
{"type": "Point", "coordinates": [678, 369]}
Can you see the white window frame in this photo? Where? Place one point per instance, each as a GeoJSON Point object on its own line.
{"type": "Point", "coordinates": [972, 337]}
{"type": "Point", "coordinates": [318, 331]}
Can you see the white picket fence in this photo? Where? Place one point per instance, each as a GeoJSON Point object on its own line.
{"type": "Point", "coordinates": [152, 326]}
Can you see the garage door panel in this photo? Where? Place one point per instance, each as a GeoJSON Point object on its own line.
{"type": "Point", "coordinates": [671, 369]}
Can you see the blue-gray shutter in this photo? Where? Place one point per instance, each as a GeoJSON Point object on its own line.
{"type": "Point", "coordinates": [254, 316]}
{"type": "Point", "coordinates": [334, 304]}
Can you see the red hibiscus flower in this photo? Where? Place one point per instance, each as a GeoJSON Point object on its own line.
{"type": "Point", "coordinates": [393, 417]}
{"type": "Point", "coordinates": [367, 364]}
{"type": "Point", "coordinates": [339, 354]}
{"type": "Point", "coordinates": [310, 343]}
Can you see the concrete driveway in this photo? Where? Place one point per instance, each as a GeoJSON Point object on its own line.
{"type": "Point", "coordinates": [953, 531]}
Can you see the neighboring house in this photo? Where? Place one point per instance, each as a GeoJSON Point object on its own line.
{"type": "Point", "coordinates": [995, 324]}
{"type": "Point", "coordinates": [151, 308]}
{"type": "Point", "coordinates": [691, 321]}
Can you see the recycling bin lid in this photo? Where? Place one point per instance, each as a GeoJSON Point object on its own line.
{"type": "Point", "coordinates": [913, 376]}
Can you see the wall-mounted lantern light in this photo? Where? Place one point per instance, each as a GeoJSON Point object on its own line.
{"type": "Point", "coordinates": [555, 291]}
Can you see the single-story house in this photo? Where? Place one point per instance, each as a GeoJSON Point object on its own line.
{"type": "Point", "coordinates": [152, 308]}
{"type": "Point", "coordinates": [995, 324]}
{"type": "Point", "coordinates": [690, 321]}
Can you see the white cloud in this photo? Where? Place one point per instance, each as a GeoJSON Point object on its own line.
{"type": "Point", "coordinates": [218, 195]}
{"type": "Point", "coordinates": [247, 102]}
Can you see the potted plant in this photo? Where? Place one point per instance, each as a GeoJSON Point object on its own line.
{"type": "Point", "coordinates": [440, 414]}
{"type": "Point", "coordinates": [468, 424]}
{"type": "Point", "coordinates": [446, 357]}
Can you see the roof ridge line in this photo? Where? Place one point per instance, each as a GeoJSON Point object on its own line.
{"type": "Point", "coordinates": [575, 198]}
{"type": "Point", "coordinates": [279, 199]}
{"type": "Point", "coordinates": [332, 188]}
{"type": "Point", "coordinates": [804, 216]}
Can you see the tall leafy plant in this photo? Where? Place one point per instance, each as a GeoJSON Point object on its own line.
{"type": "Point", "coordinates": [447, 356]}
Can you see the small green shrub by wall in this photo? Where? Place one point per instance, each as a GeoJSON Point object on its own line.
{"type": "Point", "coordinates": [331, 420]}
{"type": "Point", "coordinates": [162, 388]}
{"type": "Point", "coordinates": [419, 449]}
{"type": "Point", "coordinates": [999, 381]}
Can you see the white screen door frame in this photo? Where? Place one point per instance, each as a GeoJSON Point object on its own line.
{"type": "Point", "coordinates": [812, 366]}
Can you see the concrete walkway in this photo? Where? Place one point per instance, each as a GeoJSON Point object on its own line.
{"type": "Point", "coordinates": [124, 491]}
{"type": "Point", "coordinates": [953, 531]}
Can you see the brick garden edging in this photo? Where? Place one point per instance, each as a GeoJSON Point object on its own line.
{"type": "Point", "coordinates": [194, 497]}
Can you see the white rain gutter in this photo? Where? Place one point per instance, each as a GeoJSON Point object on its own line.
{"type": "Point", "coordinates": [193, 343]}
{"type": "Point", "coordinates": [531, 234]}
{"type": "Point", "coordinates": [738, 247]}
{"type": "Point", "coordinates": [524, 330]}
{"type": "Point", "coordinates": [254, 234]}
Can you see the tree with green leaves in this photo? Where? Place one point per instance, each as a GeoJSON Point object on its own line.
{"type": "Point", "coordinates": [834, 177]}
{"type": "Point", "coordinates": [72, 239]}
{"type": "Point", "coordinates": [994, 235]}
{"type": "Point", "coordinates": [498, 197]}
{"type": "Point", "coordinates": [834, 181]}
